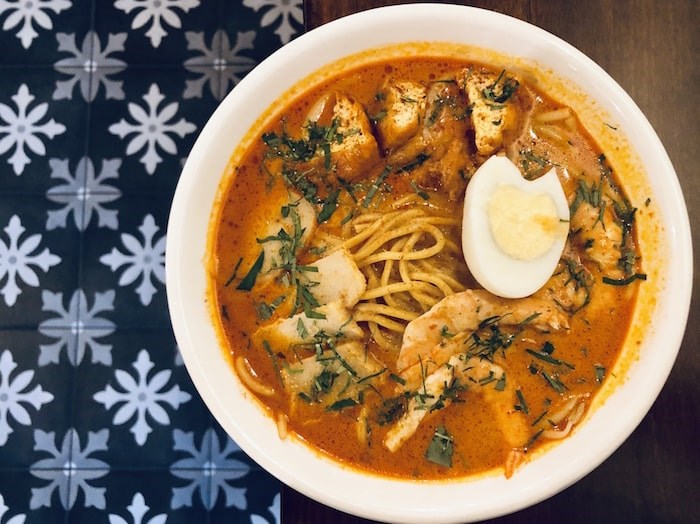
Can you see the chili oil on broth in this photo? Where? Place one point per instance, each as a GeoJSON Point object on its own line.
{"type": "Point", "coordinates": [253, 201]}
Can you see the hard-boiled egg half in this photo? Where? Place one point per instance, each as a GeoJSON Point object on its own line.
{"type": "Point", "coordinates": [513, 229]}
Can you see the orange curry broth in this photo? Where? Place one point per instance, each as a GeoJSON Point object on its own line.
{"type": "Point", "coordinates": [478, 444]}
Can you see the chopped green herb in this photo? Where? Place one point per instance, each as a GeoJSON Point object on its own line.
{"type": "Point", "coordinates": [533, 439]}
{"type": "Point", "coordinates": [539, 418]}
{"type": "Point", "coordinates": [235, 271]}
{"type": "Point", "coordinates": [553, 382]}
{"type": "Point", "coordinates": [273, 358]}
{"type": "Point", "coordinates": [419, 191]}
{"type": "Point", "coordinates": [445, 333]}
{"type": "Point", "coordinates": [397, 379]}
{"type": "Point", "coordinates": [416, 162]}
{"type": "Point", "coordinates": [329, 206]}
{"type": "Point", "coordinates": [547, 357]}
{"type": "Point", "coordinates": [301, 329]}
{"type": "Point", "coordinates": [249, 280]}
{"type": "Point", "coordinates": [624, 281]}
{"type": "Point", "coordinates": [502, 88]}
{"type": "Point", "coordinates": [342, 404]}
{"type": "Point", "coordinates": [441, 448]}
{"type": "Point", "coordinates": [599, 372]}
{"type": "Point", "coordinates": [376, 186]}
{"type": "Point", "coordinates": [501, 383]}
{"type": "Point", "coordinates": [265, 311]}
{"type": "Point", "coordinates": [521, 405]}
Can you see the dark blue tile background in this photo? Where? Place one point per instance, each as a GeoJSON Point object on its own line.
{"type": "Point", "coordinates": [99, 421]}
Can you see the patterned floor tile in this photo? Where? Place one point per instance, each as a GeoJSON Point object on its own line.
{"type": "Point", "coordinates": [143, 397]}
{"type": "Point", "coordinates": [36, 260]}
{"type": "Point", "coordinates": [100, 103]}
{"type": "Point", "coordinates": [18, 501]}
{"type": "Point", "coordinates": [150, 131]}
{"type": "Point", "coordinates": [35, 128]}
{"type": "Point", "coordinates": [130, 262]}
{"type": "Point", "coordinates": [33, 396]}
{"type": "Point", "coordinates": [30, 34]}
{"type": "Point", "coordinates": [157, 31]}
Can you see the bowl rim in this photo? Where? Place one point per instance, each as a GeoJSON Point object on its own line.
{"type": "Point", "coordinates": [376, 497]}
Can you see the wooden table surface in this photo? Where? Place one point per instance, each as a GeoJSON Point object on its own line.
{"type": "Point", "coordinates": [651, 48]}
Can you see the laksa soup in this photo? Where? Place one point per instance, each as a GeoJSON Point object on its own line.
{"type": "Point", "coordinates": [424, 267]}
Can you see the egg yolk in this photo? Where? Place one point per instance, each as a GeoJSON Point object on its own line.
{"type": "Point", "coordinates": [524, 225]}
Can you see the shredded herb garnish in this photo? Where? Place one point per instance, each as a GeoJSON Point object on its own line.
{"type": "Point", "coordinates": [419, 191]}
{"type": "Point", "coordinates": [441, 448]}
{"type": "Point", "coordinates": [265, 311]}
{"type": "Point", "coordinates": [546, 356]}
{"type": "Point", "coordinates": [249, 280]}
{"type": "Point", "coordinates": [502, 88]}
{"type": "Point", "coordinates": [488, 339]}
{"type": "Point", "coordinates": [599, 372]}
{"type": "Point", "coordinates": [329, 206]}
{"type": "Point", "coordinates": [553, 382]}
{"type": "Point", "coordinates": [624, 281]}
{"type": "Point", "coordinates": [445, 332]}
{"type": "Point", "coordinates": [521, 405]}
{"type": "Point", "coordinates": [235, 272]}
{"type": "Point", "coordinates": [376, 185]}
{"type": "Point", "coordinates": [273, 358]}
{"type": "Point", "coordinates": [341, 404]}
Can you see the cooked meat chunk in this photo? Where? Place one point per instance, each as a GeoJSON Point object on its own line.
{"type": "Point", "coordinates": [404, 107]}
{"type": "Point", "coordinates": [492, 110]}
{"type": "Point", "coordinates": [353, 149]}
{"type": "Point", "coordinates": [439, 154]}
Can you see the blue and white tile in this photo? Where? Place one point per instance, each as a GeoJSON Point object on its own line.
{"type": "Point", "coordinates": [29, 29]}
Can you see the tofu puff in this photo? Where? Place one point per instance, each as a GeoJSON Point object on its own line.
{"type": "Point", "coordinates": [342, 291]}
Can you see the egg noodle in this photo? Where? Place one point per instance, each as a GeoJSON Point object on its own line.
{"type": "Point", "coordinates": [404, 255]}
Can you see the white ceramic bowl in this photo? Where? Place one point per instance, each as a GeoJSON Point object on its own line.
{"type": "Point", "coordinates": [598, 100]}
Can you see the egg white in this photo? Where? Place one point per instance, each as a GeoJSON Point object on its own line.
{"type": "Point", "coordinates": [498, 272]}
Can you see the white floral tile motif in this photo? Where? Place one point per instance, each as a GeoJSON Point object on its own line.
{"type": "Point", "coordinates": [142, 259]}
{"type": "Point", "coordinates": [156, 13]}
{"type": "Point", "coordinates": [20, 258]}
{"type": "Point", "coordinates": [137, 512]}
{"type": "Point", "coordinates": [16, 395]}
{"type": "Point", "coordinates": [23, 128]}
{"type": "Point", "coordinates": [4, 509]}
{"type": "Point", "coordinates": [280, 12]}
{"type": "Point", "coordinates": [152, 128]}
{"type": "Point", "coordinates": [23, 16]}
{"type": "Point", "coordinates": [144, 397]}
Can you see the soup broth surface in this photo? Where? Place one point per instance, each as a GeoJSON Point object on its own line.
{"type": "Point", "coordinates": [343, 296]}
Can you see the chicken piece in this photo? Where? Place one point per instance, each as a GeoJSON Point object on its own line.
{"type": "Point", "coordinates": [338, 279]}
{"type": "Point", "coordinates": [273, 248]}
{"type": "Point", "coordinates": [418, 407]}
{"type": "Point", "coordinates": [405, 106]}
{"type": "Point", "coordinates": [513, 425]}
{"type": "Point", "coordinates": [341, 372]}
{"type": "Point", "coordinates": [353, 148]}
{"type": "Point", "coordinates": [601, 234]}
{"type": "Point", "coordinates": [335, 319]}
{"type": "Point", "coordinates": [439, 155]}
{"type": "Point", "coordinates": [424, 344]}
{"type": "Point", "coordinates": [570, 285]}
{"type": "Point", "coordinates": [492, 110]}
